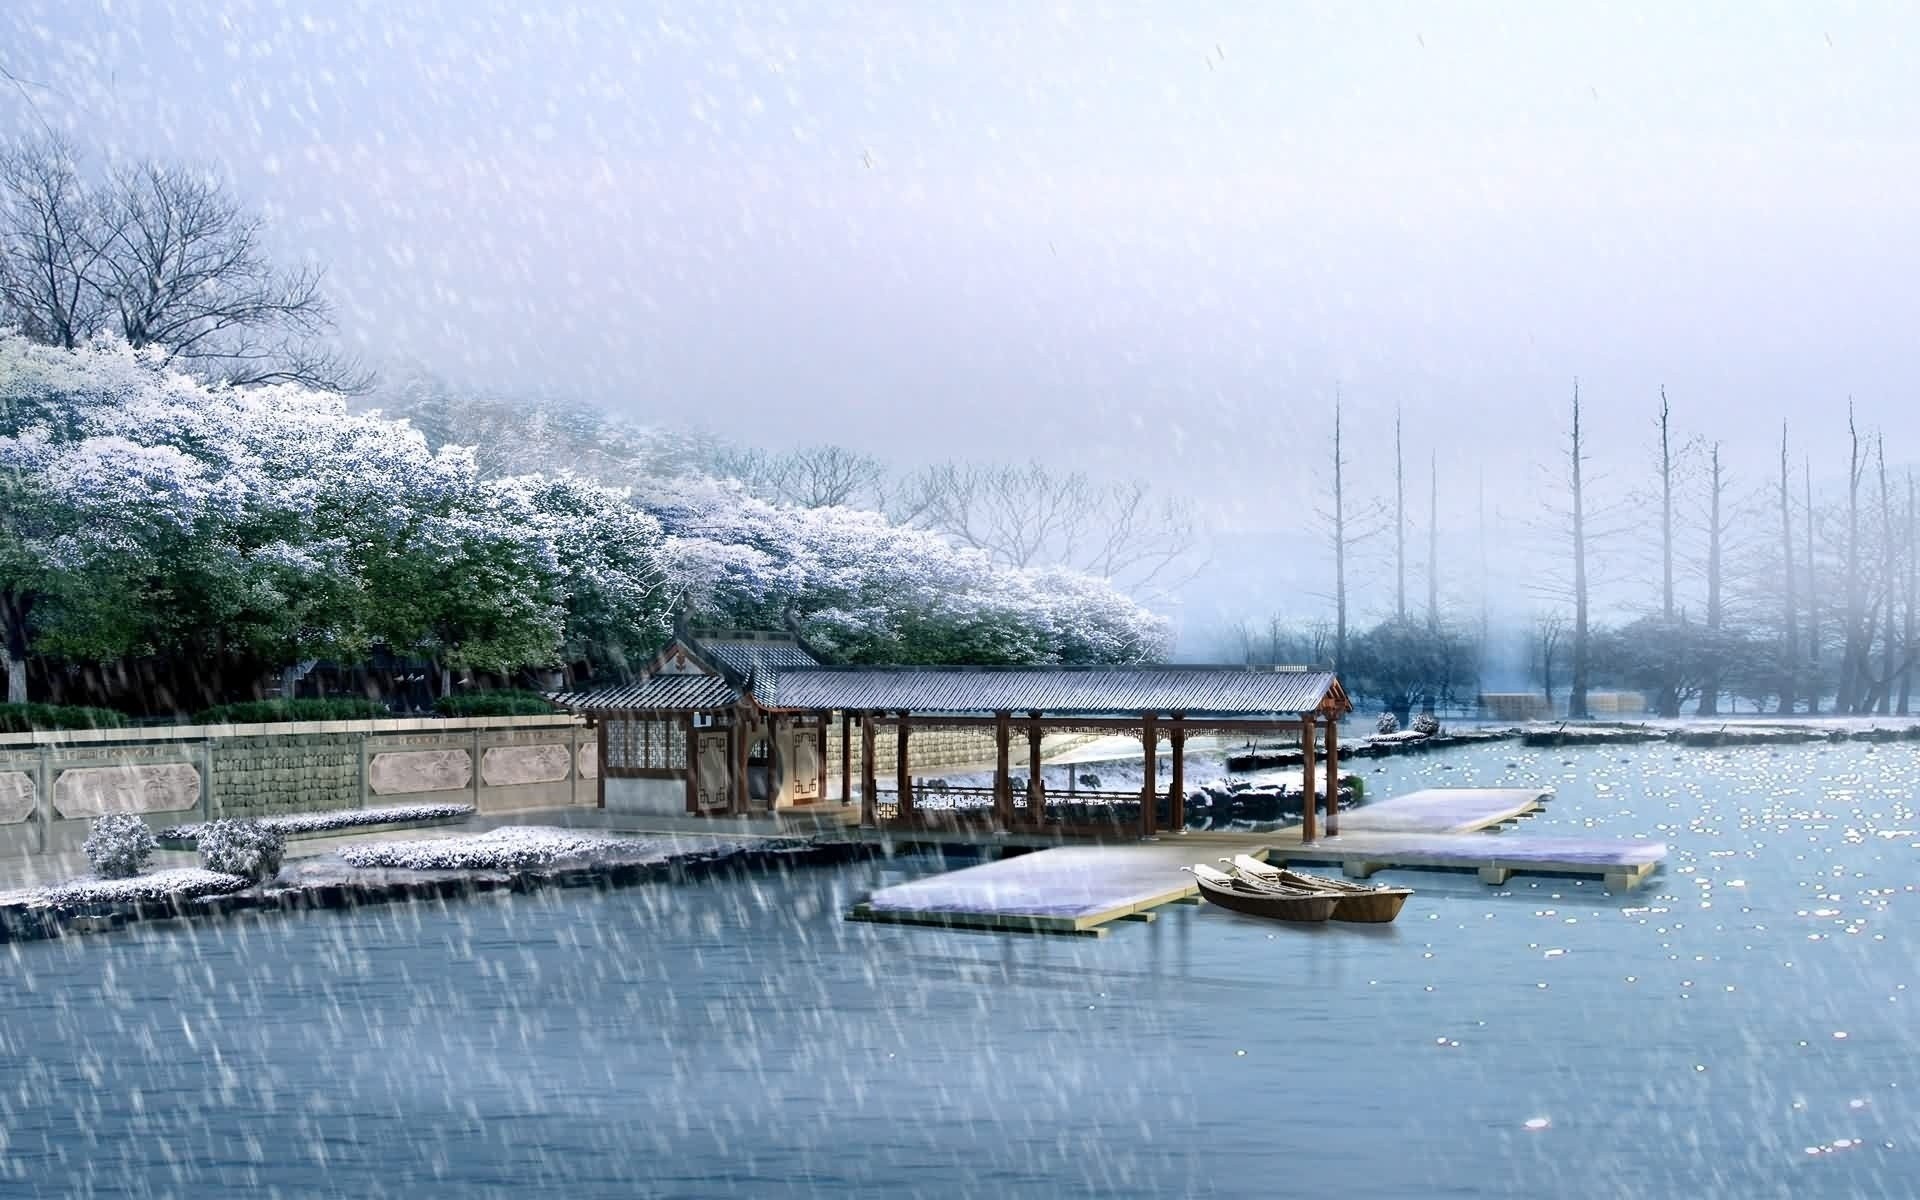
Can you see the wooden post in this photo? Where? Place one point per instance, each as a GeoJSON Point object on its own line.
{"type": "Point", "coordinates": [1150, 786]}
{"type": "Point", "coordinates": [365, 759]}
{"type": "Point", "coordinates": [846, 758]}
{"type": "Point", "coordinates": [1002, 772]}
{"type": "Point", "coordinates": [693, 764]}
{"type": "Point", "coordinates": [206, 777]}
{"type": "Point", "coordinates": [903, 773]}
{"type": "Point", "coordinates": [1309, 793]}
{"type": "Point", "coordinates": [1333, 776]}
{"type": "Point", "coordinates": [869, 783]}
{"type": "Point", "coordinates": [741, 735]}
{"type": "Point", "coordinates": [600, 754]}
{"type": "Point", "coordinates": [1177, 794]}
{"type": "Point", "coordinates": [1036, 790]}
{"type": "Point", "coordinates": [820, 757]}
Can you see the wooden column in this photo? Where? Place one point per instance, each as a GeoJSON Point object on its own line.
{"type": "Point", "coordinates": [693, 764]}
{"type": "Point", "coordinates": [1310, 795]}
{"type": "Point", "coordinates": [869, 784]}
{"type": "Point", "coordinates": [820, 757]}
{"type": "Point", "coordinates": [1150, 786]}
{"type": "Point", "coordinates": [742, 735]}
{"type": "Point", "coordinates": [903, 772]}
{"type": "Point", "coordinates": [846, 758]}
{"type": "Point", "coordinates": [1002, 772]}
{"type": "Point", "coordinates": [600, 753]}
{"type": "Point", "coordinates": [1333, 776]}
{"type": "Point", "coordinates": [1177, 793]}
{"type": "Point", "coordinates": [1036, 790]}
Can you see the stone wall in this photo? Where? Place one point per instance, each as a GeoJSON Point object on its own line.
{"type": "Point", "coordinates": [176, 774]}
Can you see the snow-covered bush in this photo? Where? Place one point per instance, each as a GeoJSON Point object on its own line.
{"type": "Point", "coordinates": [338, 819]}
{"type": "Point", "coordinates": [118, 845]}
{"type": "Point", "coordinates": [512, 848]}
{"type": "Point", "coordinates": [1388, 723]}
{"type": "Point", "coordinates": [176, 883]}
{"type": "Point", "coordinates": [1426, 723]}
{"type": "Point", "coordinates": [247, 848]}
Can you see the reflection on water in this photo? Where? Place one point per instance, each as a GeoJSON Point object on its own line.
{"type": "Point", "coordinates": [1738, 1028]}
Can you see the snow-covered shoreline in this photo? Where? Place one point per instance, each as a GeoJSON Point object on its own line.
{"type": "Point", "coordinates": [338, 820]}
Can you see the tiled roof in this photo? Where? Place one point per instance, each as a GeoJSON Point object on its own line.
{"type": "Point", "coordinates": [1056, 691]}
{"type": "Point", "coordinates": [676, 692]}
{"type": "Point", "coordinates": [749, 656]}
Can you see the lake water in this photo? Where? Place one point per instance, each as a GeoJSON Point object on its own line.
{"type": "Point", "coordinates": [1743, 1027]}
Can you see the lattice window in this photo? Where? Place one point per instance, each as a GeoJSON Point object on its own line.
{"type": "Point", "coordinates": [646, 745]}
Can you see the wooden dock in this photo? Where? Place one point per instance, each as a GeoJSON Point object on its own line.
{"type": "Point", "coordinates": [1081, 890]}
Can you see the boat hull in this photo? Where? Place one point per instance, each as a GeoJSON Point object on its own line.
{"type": "Point", "coordinates": [1308, 908]}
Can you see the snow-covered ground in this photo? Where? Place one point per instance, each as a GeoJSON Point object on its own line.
{"type": "Point", "coordinates": [510, 848]}
{"type": "Point", "coordinates": [173, 883]}
{"type": "Point", "coordinates": [339, 819]}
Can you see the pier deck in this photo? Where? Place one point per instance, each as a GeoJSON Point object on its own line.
{"type": "Point", "coordinates": [1083, 889]}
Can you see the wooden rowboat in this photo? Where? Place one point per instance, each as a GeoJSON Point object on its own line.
{"type": "Point", "coordinates": [1364, 904]}
{"type": "Point", "coordinates": [1274, 902]}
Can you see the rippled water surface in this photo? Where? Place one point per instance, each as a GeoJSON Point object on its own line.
{"type": "Point", "coordinates": [1741, 1027]}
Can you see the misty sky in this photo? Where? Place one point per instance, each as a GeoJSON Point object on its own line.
{"type": "Point", "coordinates": [1148, 239]}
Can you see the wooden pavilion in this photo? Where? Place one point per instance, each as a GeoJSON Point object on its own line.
{"type": "Point", "coordinates": [738, 723]}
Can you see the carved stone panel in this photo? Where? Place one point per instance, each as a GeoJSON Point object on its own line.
{"type": "Point", "coordinates": [147, 788]}
{"type": "Point", "coordinates": [590, 761]}
{"type": "Point", "coordinates": [398, 772]}
{"type": "Point", "coordinates": [16, 797]}
{"type": "Point", "coordinates": [507, 766]}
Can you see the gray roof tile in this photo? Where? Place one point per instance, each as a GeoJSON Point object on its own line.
{"type": "Point", "coordinates": [670, 692]}
{"type": "Point", "coordinates": [1063, 691]}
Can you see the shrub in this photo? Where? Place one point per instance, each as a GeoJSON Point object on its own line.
{"type": "Point", "coordinates": [1388, 723]}
{"type": "Point", "coordinates": [245, 848]}
{"type": "Point", "coordinates": [1426, 723]}
{"type": "Point", "coordinates": [25, 718]}
{"type": "Point", "coordinates": [1356, 785]}
{"type": "Point", "coordinates": [258, 712]}
{"type": "Point", "coordinates": [119, 845]}
{"type": "Point", "coordinates": [503, 703]}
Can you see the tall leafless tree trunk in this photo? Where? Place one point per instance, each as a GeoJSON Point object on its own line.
{"type": "Point", "coordinates": [1710, 685]}
{"type": "Point", "coordinates": [1399, 523]}
{"type": "Point", "coordinates": [1912, 594]}
{"type": "Point", "coordinates": [1577, 689]}
{"type": "Point", "coordinates": [1433, 542]}
{"type": "Point", "coordinates": [1813, 597]}
{"type": "Point", "coordinates": [1883, 686]}
{"type": "Point", "coordinates": [1853, 658]}
{"type": "Point", "coordinates": [1669, 700]}
{"type": "Point", "coordinates": [1789, 646]}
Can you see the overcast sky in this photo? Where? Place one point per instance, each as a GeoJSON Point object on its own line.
{"type": "Point", "coordinates": [1147, 238]}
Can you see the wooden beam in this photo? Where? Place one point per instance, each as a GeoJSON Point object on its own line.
{"type": "Point", "coordinates": [902, 770]}
{"type": "Point", "coordinates": [846, 758]}
{"type": "Point", "coordinates": [1002, 771]}
{"type": "Point", "coordinates": [742, 734]}
{"type": "Point", "coordinates": [1310, 794]}
{"type": "Point", "coordinates": [869, 783]}
{"type": "Point", "coordinates": [1150, 784]}
{"type": "Point", "coordinates": [693, 765]}
{"type": "Point", "coordinates": [820, 758]}
{"type": "Point", "coordinates": [1333, 777]}
{"type": "Point", "coordinates": [1117, 724]}
{"type": "Point", "coordinates": [599, 753]}
{"type": "Point", "coordinates": [1036, 790]}
{"type": "Point", "coordinates": [1177, 793]}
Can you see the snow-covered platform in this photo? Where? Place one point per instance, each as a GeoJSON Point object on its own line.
{"type": "Point", "coordinates": [1445, 810]}
{"type": "Point", "coordinates": [1446, 829]}
{"type": "Point", "coordinates": [1069, 889]}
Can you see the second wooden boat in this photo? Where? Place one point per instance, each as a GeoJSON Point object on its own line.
{"type": "Point", "coordinates": [1275, 902]}
{"type": "Point", "coordinates": [1361, 904]}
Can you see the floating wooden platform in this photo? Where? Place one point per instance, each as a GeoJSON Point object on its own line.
{"type": "Point", "coordinates": [1081, 890]}
{"type": "Point", "coordinates": [1444, 810]}
{"type": "Point", "coordinates": [1076, 890]}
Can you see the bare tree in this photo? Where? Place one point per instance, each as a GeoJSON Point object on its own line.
{"type": "Point", "coordinates": [823, 476]}
{"type": "Point", "coordinates": [1789, 641]}
{"type": "Point", "coordinates": [1433, 541]}
{"type": "Point", "coordinates": [1577, 689]}
{"type": "Point", "coordinates": [1853, 661]}
{"type": "Point", "coordinates": [1347, 529]}
{"type": "Point", "coordinates": [1716, 602]}
{"type": "Point", "coordinates": [1549, 632]}
{"type": "Point", "coordinates": [1813, 600]}
{"type": "Point", "coordinates": [165, 258]}
{"type": "Point", "coordinates": [51, 242]}
{"type": "Point", "coordinates": [1912, 594]}
{"type": "Point", "coordinates": [1030, 516]}
{"type": "Point", "coordinates": [1666, 512]}
{"type": "Point", "coordinates": [1399, 523]}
